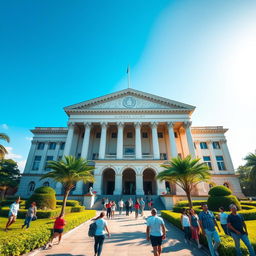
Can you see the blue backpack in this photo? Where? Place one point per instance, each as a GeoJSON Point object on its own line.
{"type": "Point", "coordinates": [92, 229]}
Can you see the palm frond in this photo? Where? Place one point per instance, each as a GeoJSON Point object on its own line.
{"type": "Point", "coordinates": [4, 136]}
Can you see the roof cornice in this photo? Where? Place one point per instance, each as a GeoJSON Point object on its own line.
{"type": "Point", "coordinates": [208, 129]}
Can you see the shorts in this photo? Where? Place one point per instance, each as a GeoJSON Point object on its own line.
{"type": "Point", "coordinates": [56, 230]}
{"type": "Point", "coordinates": [13, 217]}
{"type": "Point", "coordinates": [156, 240]}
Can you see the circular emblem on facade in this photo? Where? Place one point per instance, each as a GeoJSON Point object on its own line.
{"type": "Point", "coordinates": [129, 102]}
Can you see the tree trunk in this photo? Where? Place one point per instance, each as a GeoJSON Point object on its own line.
{"type": "Point", "coordinates": [66, 193]}
{"type": "Point", "coordinates": [190, 203]}
{"type": "Point", "coordinates": [3, 191]}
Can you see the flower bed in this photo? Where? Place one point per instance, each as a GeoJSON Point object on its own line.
{"type": "Point", "coordinates": [18, 241]}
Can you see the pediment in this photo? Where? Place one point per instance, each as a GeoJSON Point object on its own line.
{"type": "Point", "coordinates": [129, 100]}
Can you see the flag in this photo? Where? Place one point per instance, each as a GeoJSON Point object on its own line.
{"type": "Point", "coordinates": [128, 70]}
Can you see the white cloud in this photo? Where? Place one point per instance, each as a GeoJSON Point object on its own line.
{"type": "Point", "coordinates": [12, 155]}
{"type": "Point", "coordinates": [5, 126]}
{"type": "Point", "coordinates": [21, 165]}
{"type": "Point", "coordinates": [29, 138]}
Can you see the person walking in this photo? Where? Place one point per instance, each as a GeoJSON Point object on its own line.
{"type": "Point", "coordinates": [108, 208]}
{"type": "Point", "coordinates": [101, 228]}
{"type": "Point", "coordinates": [113, 209]}
{"type": "Point", "coordinates": [207, 223]}
{"type": "Point", "coordinates": [185, 224]}
{"type": "Point", "coordinates": [121, 206]}
{"type": "Point", "coordinates": [238, 231]}
{"type": "Point", "coordinates": [223, 220]}
{"type": "Point", "coordinates": [130, 205]}
{"type": "Point", "coordinates": [31, 213]}
{"type": "Point", "coordinates": [142, 206]}
{"type": "Point", "coordinates": [58, 229]}
{"type": "Point", "coordinates": [13, 212]}
{"type": "Point", "coordinates": [127, 207]}
{"type": "Point", "coordinates": [194, 221]}
{"type": "Point", "coordinates": [137, 208]}
{"type": "Point", "coordinates": [103, 203]}
{"type": "Point", "coordinates": [156, 232]}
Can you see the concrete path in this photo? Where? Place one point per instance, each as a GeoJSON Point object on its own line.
{"type": "Point", "coordinates": [127, 239]}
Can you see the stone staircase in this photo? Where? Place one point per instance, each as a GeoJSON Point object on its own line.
{"type": "Point", "coordinates": [157, 202]}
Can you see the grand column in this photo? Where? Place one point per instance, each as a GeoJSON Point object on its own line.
{"type": "Point", "coordinates": [43, 158]}
{"type": "Point", "coordinates": [213, 156]}
{"type": "Point", "coordinates": [69, 139]}
{"type": "Point", "coordinates": [98, 184]}
{"type": "Point", "coordinates": [191, 147]}
{"type": "Point", "coordinates": [139, 184]}
{"type": "Point", "coordinates": [56, 152]}
{"type": "Point", "coordinates": [227, 158]}
{"type": "Point", "coordinates": [120, 138]}
{"type": "Point", "coordinates": [103, 139]}
{"type": "Point", "coordinates": [118, 184]}
{"type": "Point", "coordinates": [156, 151]}
{"type": "Point", "coordinates": [173, 145]}
{"type": "Point", "coordinates": [138, 140]}
{"type": "Point", "coordinates": [31, 155]}
{"type": "Point", "coordinates": [86, 141]}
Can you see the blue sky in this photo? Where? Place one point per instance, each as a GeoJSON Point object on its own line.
{"type": "Point", "coordinates": [58, 53]}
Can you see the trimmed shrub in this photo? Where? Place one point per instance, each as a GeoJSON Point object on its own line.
{"type": "Point", "coordinates": [221, 196]}
{"type": "Point", "coordinates": [44, 198]}
{"type": "Point", "coordinates": [77, 208]}
{"type": "Point", "coordinates": [248, 203]}
{"type": "Point", "coordinates": [185, 203]}
{"type": "Point", "coordinates": [220, 191]}
{"type": "Point", "coordinates": [68, 203]}
{"type": "Point", "coordinates": [9, 202]}
{"type": "Point", "coordinates": [37, 236]}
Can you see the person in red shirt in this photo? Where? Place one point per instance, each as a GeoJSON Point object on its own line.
{"type": "Point", "coordinates": [58, 228]}
{"type": "Point", "coordinates": [108, 207]}
{"type": "Point", "coordinates": [137, 208]}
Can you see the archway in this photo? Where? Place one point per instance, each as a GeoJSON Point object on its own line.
{"type": "Point", "coordinates": [108, 182]}
{"type": "Point", "coordinates": [129, 182]}
{"type": "Point", "coordinates": [149, 182]}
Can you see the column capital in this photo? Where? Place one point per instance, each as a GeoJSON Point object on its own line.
{"type": "Point", "coordinates": [223, 141]}
{"type": "Point", "coordinates": [170, 124]}
{"type": "Point", "coordinates": [209, 141]}
{"type": "Point", "coordinates": [197, 141]}
{"type": "Point", "coordinates": [34, 142]}
{"type": "Point", "coordinates": [137, 124]}
{"type": "Point", "coordinates": [120, 124]}
{"type": "Point", "coordinates": [154, 124]}
{"type": "Point", "coordinates": [187, 124]}
{"type": "Point", "coordinates": [104, 124]}
{"type": "Point", "coordinates": [87, 124]}
{"type": "Point", "coordinates": [71, 124]}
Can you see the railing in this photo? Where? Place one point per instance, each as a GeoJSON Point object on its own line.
{"type": "Point", "coordinates": [112, 156]}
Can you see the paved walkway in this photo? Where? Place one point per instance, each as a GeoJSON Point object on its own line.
{"type": "Point", "coordinates": [127, 239]}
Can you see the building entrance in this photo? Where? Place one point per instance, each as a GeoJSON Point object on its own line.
{"type": "Point", "coordinates": [129, 182]}
{"type": "Point", "coordinates": [149, 182]}
{"type": "Point", "coordinates": [108, 182]}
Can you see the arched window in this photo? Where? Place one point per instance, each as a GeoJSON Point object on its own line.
{"type": "Point", "coordinates": [226, 184]}
{"type": "Point", "coordinates": [31, 186]}
{"type": "Point", "coordinates": [46, 184]}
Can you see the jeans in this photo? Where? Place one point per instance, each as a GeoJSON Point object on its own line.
{"type": "Point", "coordinates": [27, 221]}
{"type": "Point", "coordinates": [187, 233]}
{"type": "Point", "coordinates": [120, 210]}
{"type": "Point", "coordinates": [127, 209]}
{"type": "Point", "coordinates": [210, 236]}
{"type": "Point", "coordinates": [108, 212]}
{"type": "Point", "coordinates": [225, 228]}
{"type": "Point", "coordinates": [245, 239]}
{"type": "Point", "coordinates": [98, 244]}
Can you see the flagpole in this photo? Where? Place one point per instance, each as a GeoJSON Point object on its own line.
{"type": "Point", "coordinates": [128, 76]}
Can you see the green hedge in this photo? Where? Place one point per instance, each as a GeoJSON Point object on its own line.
{"type": "Point", "coordinates": [227, 247]}
{"type": "Point", "coordinates": [253, 203]}
{"type": "Point", "coordinates": [38, 235]}
{"type": "Point", "coordinates": [185, 203]}
{"type": "Point", "coordinates": [8, 202]}
{"type": "Point", "coordinates": [43, 201]}
{"type": "Point", "coordinates": [215, 202]}
{"type": "Point", "coordinates": [220, 191]}
{"type": "Point", "coordinates": [68, 203]}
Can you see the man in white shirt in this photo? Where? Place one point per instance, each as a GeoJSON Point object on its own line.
{"type": "Point", "coordinates": [156, 232]}
{"type": "Point", "coordinates": [121, 206]}
{"type": "Point", "coordinates": [14, 208]}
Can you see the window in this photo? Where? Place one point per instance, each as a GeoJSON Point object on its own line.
{"type": "Point", "coordinates": [144, 135]}
{"type": "Point", "coordinates": [207, 161]}
{"type": "Point", "coordinates": [163, 156]}
{"type": "Point", "coordinates": [62, 145]}
{"type": "Point", "coordinates": [98, 134]}
{"type": "Point", "coordinates": [175, 134]}
{"type": "Point", "coordinates": [220, 163]}
{"type": "Point", "coordinates": [129, 135]}
{"type": "Point", "coordinates": [59, 158]}
{"type": "Point", "coordinates": [46, 184]}
{"type": "Point", "coordinates": [203, 145]}
{"type": "Point", "coordinates": [52, 145]}
{"type": "Point", "coordinates": [95, 156]}
{"type": "Point", "coordinates": [113, 135]}
{"type": "Point", "coordinates": [216, 145]}
{"type": "Point", "coordinates": [129, 151]}
{"type": "Point", "coordinates": [36, 163]}
{"type": "Point", "coordinates": [79, 155]}
{"type": "Point", "coordinates": [48, 158]}
{"type": "Point", "coordinates": [40, 145]}
{"type": "Point", "coordinates": [31, 186]}
{"type": "Point", "coordinates": [160, 135]}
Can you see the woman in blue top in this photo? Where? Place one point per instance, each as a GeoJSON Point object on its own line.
{"type": "Point", "coordinates": [100, 233]}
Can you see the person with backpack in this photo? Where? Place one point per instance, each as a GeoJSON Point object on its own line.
{"type": "Point", "coordinates": [238, 231]}
{"type": "Point", "coordinates": [100, 228]}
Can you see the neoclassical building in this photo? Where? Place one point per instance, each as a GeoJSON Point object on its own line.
{"type": "Point", "coordinates": [127, 135]}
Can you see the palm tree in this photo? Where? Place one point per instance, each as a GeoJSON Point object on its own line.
{"type": "Point", "coordinates": [69, 171]}
{"type": "Point", "coordinates": [251, 163]}
{"type": "Point", "coordinates": [3, 150]}
{"type": "Point", "coordinates": [186, 173]}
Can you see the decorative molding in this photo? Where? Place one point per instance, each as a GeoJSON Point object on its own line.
{"type": "Point", "coordinates": [187, 124]}
{"type": "Point", "coordinates": [154, 125]}
{"type": "Point", "coordinates": [170, 125]}
{"type": "Point", "coordinates": [138, 125]}
{"type": "Point", "coordinates": [208, 130]}
{"type": "Point", "coordinates": [120, 124]}
{"type": "Point", "coordinates": [50, 130]}
{"type": "Point", "coordinates": [223, 141]}
{"type": "Point", "coordinates": [104, 124]}
{"type": "Point", "coordinates": [87, 124]}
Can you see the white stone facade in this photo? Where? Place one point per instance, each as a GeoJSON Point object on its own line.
{"type": "Point", "coordinates": [127, 135]}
